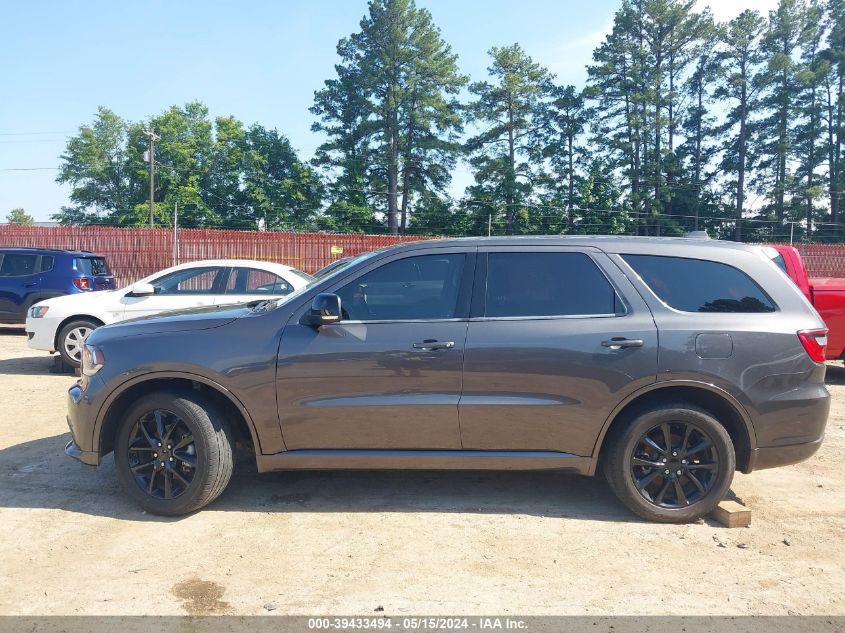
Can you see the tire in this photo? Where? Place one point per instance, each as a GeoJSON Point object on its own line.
{"type": "Point", "coordinates": [182, 416]}
{"type": "Point", "coordinates": [637, 474]}
{"type": "Point", "coordinates": [71, 338]}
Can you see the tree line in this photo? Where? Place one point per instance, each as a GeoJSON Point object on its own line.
{"type": "Point", "coordinates": [684, 123]}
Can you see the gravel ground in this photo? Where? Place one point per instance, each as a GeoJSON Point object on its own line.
{"type": "Point", "coordinates": [407, 543]}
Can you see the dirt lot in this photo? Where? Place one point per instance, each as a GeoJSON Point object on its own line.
{"type": "Point", "coordinates": [410, 543]}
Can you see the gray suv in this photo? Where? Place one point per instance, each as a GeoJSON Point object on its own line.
{"type": "Point", "coordinates": [667, 364]}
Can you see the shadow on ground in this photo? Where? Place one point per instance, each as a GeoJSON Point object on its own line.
{"type": "Point", "coordinates": [12, 330]}
{"type": "Point", "coordinates": [37, 474]}
{"type": "Point", "coordinates": [835, 375]}
{"type": "Point", "coordinates": [27, 365]}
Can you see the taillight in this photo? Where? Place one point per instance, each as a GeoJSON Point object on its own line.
{"type": "Point", "coordinates": [815, 342]}
{"type": "Point", "coordinates": [83, 283]}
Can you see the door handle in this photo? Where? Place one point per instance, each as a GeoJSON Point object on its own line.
{"type": "Point", "coordinates": [620, 342]}
{"type": "Point", "coordinates": [32, 285]}
{"type": "Point", "coordinates": [429, 345]}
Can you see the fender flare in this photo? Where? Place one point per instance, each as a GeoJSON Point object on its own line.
{"type": "Point", "coordinates": [663, 384]}
{"type": "Point", "coordinates": [158, 375]}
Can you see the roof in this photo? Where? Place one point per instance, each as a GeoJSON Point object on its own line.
{"type": "Point", "coordinates": [44, 249]}
{"type": "Point", "coordinates": [607, 243]}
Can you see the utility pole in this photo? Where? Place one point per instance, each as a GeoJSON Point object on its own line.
{"type": "Point", "coordinates": [151, 155]}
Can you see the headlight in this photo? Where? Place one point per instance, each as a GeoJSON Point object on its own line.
{"type": "Point", "coordinates": [92, 360]}
{"type": "Point", "coordinates": [36, 312]}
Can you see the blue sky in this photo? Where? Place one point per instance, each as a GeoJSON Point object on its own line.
{"type": "Point", "coordinates": [260, 61]}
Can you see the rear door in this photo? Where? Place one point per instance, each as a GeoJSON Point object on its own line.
{"type": "Point", "coordinates": [187, 288]}
{"type": "Point", "coordinates": [19, 285]}
{"type": "Point", "coordinates": [557, 338]}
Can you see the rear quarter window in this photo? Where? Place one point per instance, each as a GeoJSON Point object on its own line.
{"type": "Point", "coordinates": [698, 285]}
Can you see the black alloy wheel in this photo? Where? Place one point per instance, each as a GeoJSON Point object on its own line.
{"type": "Point", "coordinates": [161, 454]}
{"type": "Point", "coordinates": [674, 464]}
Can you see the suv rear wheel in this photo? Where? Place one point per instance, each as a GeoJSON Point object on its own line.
{"type": "Point", "coordinates": [173, 452]}
{"type": "Point", "coordinates": [671, 464]}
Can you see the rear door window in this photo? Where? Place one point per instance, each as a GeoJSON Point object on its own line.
{"type": "Point", "coordinates": [16, 265]}
{"type": "Point", "coordinates": [251, 281]}
{"type": "Point", "coordinates": [92, 266]}
{"type": "Point", "coordinates": [536, 284]}
{"type": "Point", "coordinates": [46, 263]}
{"type": "Point", "coordinates": [698, 285]}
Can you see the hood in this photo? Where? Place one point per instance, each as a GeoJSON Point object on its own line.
{"type": "Point", "coordinates": [176, 321]}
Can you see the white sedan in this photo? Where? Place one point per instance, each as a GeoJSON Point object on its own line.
{"type": "Point", "coordinates": [63, 323]}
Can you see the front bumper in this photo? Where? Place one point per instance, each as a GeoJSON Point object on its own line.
{"type": "Point", "coordinates": [41, 333]}
{"type": "Point", "coordinates": [86, 457]}
{"type": "Point", "coordinates": [81, 416]}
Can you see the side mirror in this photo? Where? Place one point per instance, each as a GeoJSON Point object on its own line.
{"type": "Point", "coordinates": [325, 309]}
{"type": "Point", "coordinates": [142, 290]}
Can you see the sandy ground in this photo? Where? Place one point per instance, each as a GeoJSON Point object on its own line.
{"type": "Point", "coordinates": [410, 543]}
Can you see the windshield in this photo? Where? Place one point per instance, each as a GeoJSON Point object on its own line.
{"type": "Point", "coordinates": [313, 282]}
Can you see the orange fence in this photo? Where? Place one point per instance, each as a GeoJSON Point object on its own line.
{"type": "Point", "coordinates": [137, 252]}
{"type": "Point", "coordinates": [134, 253]}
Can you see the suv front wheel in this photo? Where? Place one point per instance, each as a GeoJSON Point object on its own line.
{"type": "Point", "coordinates": [173, 452]}
{"type": "Point", "coordinates": [671, 464]}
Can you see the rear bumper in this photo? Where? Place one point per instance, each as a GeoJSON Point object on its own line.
{"type": "Point", "coordinates": [773, 456]}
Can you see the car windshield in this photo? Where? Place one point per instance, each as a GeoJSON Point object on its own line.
{"type": "Point", "coordinates": [314, 281]}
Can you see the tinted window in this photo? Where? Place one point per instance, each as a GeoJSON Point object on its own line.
{"type": "Point", "coordinates": [92, 266]}
{"type": "Point", "coordinates": [695, 285]}
{"type": "Point", "coordinates": [251, 281]}
{"type": "Point", "coordinates": [779, 261]}
{"type": "Point", "coordinates": [546, 284]}
{"type": "Point", "coordinates": [17, 265]}
{"type": "Point", "coordinates": [193, 281]}
{"type": "Point", "coordinates": [46, 263]}
{"type": "Point", "coordinates": [424, 287]}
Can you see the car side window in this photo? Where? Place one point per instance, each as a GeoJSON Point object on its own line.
{"type": "Point", "coordinates": [46, 263]}
{"type": "Point", "coordinates": [193, 281]}
{"type": "Point", "coordinates": [412, 288]}
{"type": "Point", "coordinates": [699, 285]}
{"type": "Point", "coordinates": [15, 265]}
{"type": "Point", "coordinates": [544, 284]}
{"type": "Point", "coordinates": [252, 281]}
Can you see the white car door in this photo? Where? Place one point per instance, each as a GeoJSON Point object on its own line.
{"type": "Point", "coordinates": [249, 284]}
{"type": "Point", "coordinates": [187, 288]}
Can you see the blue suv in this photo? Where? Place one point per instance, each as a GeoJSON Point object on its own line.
{"type": "Point", "coordinates": [30, 275]}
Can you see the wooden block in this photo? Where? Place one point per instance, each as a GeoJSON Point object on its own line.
{"type": "Point", "coordinates": [732, 514]}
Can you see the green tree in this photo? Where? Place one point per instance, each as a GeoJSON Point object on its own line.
{"type": "Point", "coordinates": [507, 109]}
{"type": "Point", "coordinates": [809, 129]}
{"type": "Point", "coordinates": [394, 102]}
{"type": "Point", "coordinates": [563, 120]}
{"type": "Point", "coordinates": [95, 165]}
{"type": "Point", "coordinates": [834, 108]}
{"type": "Point", "coordinates": [739, 59]}
{"type": "Point", "coordinates": [20, 217]}
{"type": "Point", "coordinates": [779, 90]}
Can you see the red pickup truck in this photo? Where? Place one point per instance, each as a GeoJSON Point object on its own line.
{"type": "Point", "coordinates": [827, 294]}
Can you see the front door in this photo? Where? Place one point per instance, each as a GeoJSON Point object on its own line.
{"type": "Point", "coordinates": [558, 338]}
{"type": "Point", "coordinates": [19, 285]}
{"type": "Point", "coordinates": [388, 375]}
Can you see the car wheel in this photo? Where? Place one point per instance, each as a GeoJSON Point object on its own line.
{"type": "Point", "coordinates": [173, 452]}
{"type": "Point", "coordinates": [671, 464]}
{"type": "Point", "coordinates": [72, 340]}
